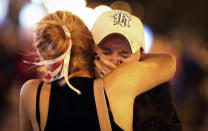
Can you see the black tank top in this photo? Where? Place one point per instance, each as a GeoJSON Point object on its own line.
{"type": "Point", "coordinates": [70, 111]}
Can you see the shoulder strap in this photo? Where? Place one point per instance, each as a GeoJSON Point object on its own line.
{"type": "Point", "coordinates": [101, 106]}
{"type": "Point", "coordinates": [38, 103]}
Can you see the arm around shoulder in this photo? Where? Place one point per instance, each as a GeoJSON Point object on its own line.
{"type": "Point", "coordinates": [138, 77]}
{"type": "Point", "coordinates": [163, 64]}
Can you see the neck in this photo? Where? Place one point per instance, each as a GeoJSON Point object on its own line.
{"type": "Point", "coordinates": [84, 73]}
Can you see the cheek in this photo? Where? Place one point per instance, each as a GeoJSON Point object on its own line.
{"type": "Point", "coordinates": [108, 57]}
{"type": "Point", "coordinates": [123, 61]}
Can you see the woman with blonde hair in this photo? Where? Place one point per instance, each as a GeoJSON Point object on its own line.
{"type": "Point", "coordinates": [62, 102]}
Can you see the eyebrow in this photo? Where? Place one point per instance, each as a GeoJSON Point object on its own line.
{"type": "Point", "coordinates": [103, 48]}
{"type": "Point", "coordinates": [125, 52]}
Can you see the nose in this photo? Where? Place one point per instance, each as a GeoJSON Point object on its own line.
{"type": "Point", "coordinates": [116, 59]}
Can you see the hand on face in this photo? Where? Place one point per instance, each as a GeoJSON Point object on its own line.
{"type": "Point", "coordinates": [112, 52]}
{"type": "Point", "coordinates": [105, 66]}
{"type": "Point", "coordinates": [102, 65]}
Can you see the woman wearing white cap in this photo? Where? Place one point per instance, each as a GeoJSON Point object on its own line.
{"type": "Point", "coordinates": [62, 102]}
{"type": "Point", "coordinates": [118, 35]}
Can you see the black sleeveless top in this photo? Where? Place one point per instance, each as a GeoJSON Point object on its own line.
{"type": "Point", "coordinates": [70, 111]}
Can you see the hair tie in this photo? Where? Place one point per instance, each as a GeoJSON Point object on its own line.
{"type": "Point", "coordinates": [61, 64]}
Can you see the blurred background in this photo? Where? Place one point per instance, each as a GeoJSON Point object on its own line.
{"type": "Point", "coordinates": [178, 27]}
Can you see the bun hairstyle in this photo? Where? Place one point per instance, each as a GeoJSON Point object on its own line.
{"type": "Point", "coordinates": [50, 41]}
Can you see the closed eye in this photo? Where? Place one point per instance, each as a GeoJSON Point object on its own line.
{"type": "Point", "coordinates": [125, 56]}
{"type": "Point", "coordinates": [107, 52]}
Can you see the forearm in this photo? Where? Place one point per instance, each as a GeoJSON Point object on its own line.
{"type": "Point", "coordinates": [164, 61]}
{"type": "Point", "coordinates": [148, 73]}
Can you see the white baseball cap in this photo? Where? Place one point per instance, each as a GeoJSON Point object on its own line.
{"type": "Point", "coordinates": [121, 22]}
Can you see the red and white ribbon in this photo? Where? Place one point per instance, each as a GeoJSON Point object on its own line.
{"type": "Point", "coordinates": [61, 66]}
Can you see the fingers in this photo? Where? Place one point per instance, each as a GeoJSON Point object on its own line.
{"type": "Point", "coordinates": [98, 73]}
{"type": "Point", "coordinates": [104, 60]}
{"type": "Point", "coordinates": [108, 64]}
{"type": "Point", "coordinates": [101, 69]}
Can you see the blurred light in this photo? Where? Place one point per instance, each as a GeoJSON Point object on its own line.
{"type": "Point", "coordinates": [37, 1]}
{"type": "Point", "coordinates": [86, 14]}
{"type": "Point", "coordinates": [77, 7]}
{"type": "Point", "coordinates": [90, 15]}
{"type": "Point", "coordinates": [69, 5]}
{"type": "Point", "coordinates": [3, 10]}
{"type": "Point", "coordinates": [148, 34]}
{"type": "Point", "coordinates": [100, 9]}
{"type": "Point", "coordinates": [121, 5]}
{"type": "Point", "coordinates": [30, 14]}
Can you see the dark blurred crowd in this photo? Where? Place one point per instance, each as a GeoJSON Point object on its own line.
{"type": "Point", "coordinates": [190, 83]}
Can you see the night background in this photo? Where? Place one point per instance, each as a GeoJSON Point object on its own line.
{"type": "Point", "coordinates": [177, 27]}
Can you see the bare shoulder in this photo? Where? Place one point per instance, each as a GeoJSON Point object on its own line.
{"type": "Point", "coordinates": [27, 105]}
{"type": "Point", "coordinates": [29, 88]}
{"type": "Point", "coordinates": [28, 94]}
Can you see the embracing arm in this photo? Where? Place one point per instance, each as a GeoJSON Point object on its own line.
{"type": "Point", "coordinates": [152, 70]}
